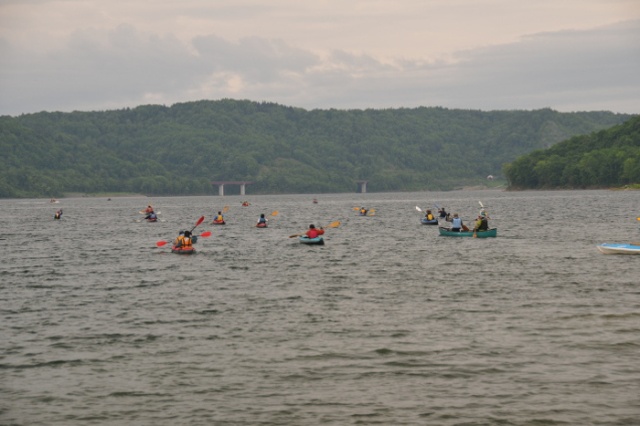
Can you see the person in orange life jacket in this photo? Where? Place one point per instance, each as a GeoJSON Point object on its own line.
{"type": "Point", "coordinates": [429, 215]}
{"type": "Point", "coordinates": [456, 223]}
{"type": "Point", "coordinates": [219, 218]}
{"type": "Point", "coordinates": [186, 241]}
{"type": "Point", "coordinates": [363, 211]}
{"type": "Point", "coordinates": [314, 232]}
{"type": "Point", "coordinates": [178, 241]}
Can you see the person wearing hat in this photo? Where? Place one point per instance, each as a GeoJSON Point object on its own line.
{"type": "Point", "coordinates": [482, 224]}
{"type": "Point", "coordinates": [179, 239]}
{"type": "Point", "coordinates": [456, 223]}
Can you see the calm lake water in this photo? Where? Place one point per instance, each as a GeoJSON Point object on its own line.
{"type": "Point", "coordinates": [387, 323]}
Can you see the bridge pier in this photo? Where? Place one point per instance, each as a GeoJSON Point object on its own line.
{"type": "Point", "coordinates": [362, 186]}
{"type": "Point", "coordinates": [221, 184]}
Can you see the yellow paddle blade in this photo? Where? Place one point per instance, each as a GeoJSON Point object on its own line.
{"type": "Point", "coordinates": [275, 213]}
{"type": "Point", "coordinates": [333, 224]}
{"type": "Point", "coordinates": [356, 208]}
{"type": "Point", "coordinates": [295, 235]}
{"type": "Point", "coordinates": [225, 209]}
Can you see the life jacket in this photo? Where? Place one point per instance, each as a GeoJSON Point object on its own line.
{"type": "Point", "coordinates": [220, 218]}
{"type": "Point", "coordinates": [186, 242]}
{"type": "Point", "coordinates": [430, 217]}
{"type": "Point", "coordinates": [484, 225]}
{"type": "Point", "coordinates": [456, 222]}
{"type": "Point", "coordinates": [262, 220]}
{"type": "Point", "coordinates": [179, 241]}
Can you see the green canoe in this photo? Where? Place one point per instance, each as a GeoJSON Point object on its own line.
{"type": "Point", "coordinates": [493, 232]}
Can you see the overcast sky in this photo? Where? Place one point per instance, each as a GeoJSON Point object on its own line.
{"type": "Point", "coordinates": [569, 55]}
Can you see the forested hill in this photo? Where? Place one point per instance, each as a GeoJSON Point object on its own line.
{"type": "Point", "coordinates": [608, 158]}
{"type": "Point", "coordinates": [179, 150]}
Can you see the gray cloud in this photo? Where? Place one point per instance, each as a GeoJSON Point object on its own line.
{"type": "Point", "coordinates": [592, 69]}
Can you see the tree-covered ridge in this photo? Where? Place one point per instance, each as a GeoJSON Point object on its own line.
{"type": "Point", "coordinates": [179, 150]}
{"type": "Point", "coordinates": [607, 158]}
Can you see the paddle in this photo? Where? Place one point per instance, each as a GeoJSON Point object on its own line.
{"type": "Point", "coordinates": [225, 209]}
{"type": "Point", "coordinates": [203, 235]}
{"type": "Point", "coordinates": [334, 224]}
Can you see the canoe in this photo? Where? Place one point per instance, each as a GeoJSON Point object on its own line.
{"type": "Point", "coordinates": [261, 225]}
{"type": "Point", "coordinates": [424, 221]}
{"type": "Point", "coordinates": [317, 240]}
{"type": "Point", "coordinates": [218, 222]}
{"type": "Point", "coordinates": [619, 248]}
{"type": "Point", "coordinates": [183, 250]}
{"type": "Point", "coordinates": [493, 232]}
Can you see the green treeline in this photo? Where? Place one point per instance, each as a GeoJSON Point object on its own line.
{"type": "Point", "coordinates": [179, 150]}
{"type": "Point", "coordinates": [608, 158]}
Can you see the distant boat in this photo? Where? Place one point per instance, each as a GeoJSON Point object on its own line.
{"type": "Point", "coordinates": [615, 248]}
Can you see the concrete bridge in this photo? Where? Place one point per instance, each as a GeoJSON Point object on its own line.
{"type": "Point", "coordinates": [222, 183]}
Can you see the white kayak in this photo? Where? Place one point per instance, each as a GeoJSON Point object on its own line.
{"type": "Point", "coordinates": [619, 248]}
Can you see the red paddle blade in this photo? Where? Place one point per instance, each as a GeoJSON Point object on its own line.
{"type": "Point", "coordinates": [200, 220]}
{"type": "Point", "coordinates": [161, 243]}
{"type": "Point", "coordinates": [206, 234]}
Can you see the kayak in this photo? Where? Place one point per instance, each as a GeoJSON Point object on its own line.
{"type": "Point", "coordinates": [261, 225]}
{"type": "Point", "coordinates": [619, 248]}
{"type": "Point", "coordinates": [152, 220]}
{"type": "Point", "coordinates": [183, 250]}
{"type": "Point", "coordinates": [493, 232]}
{"type": "Point", "coordinates": [317, 240]}
{"type": "Point", "coordinates": [424, 221]}
{"type": "Point", "coordinates": [218, 222]}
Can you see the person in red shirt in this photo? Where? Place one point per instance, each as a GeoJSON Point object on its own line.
{"type": "Point", "coordinates": [314, 232]}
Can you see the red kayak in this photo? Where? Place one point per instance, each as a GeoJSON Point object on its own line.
{"type": "Point", "coordinates": [261, 225]}
{"type": "Point", "coordinates": [183, 250]}
{"type": "Point", "coordinates": [218, 222]}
